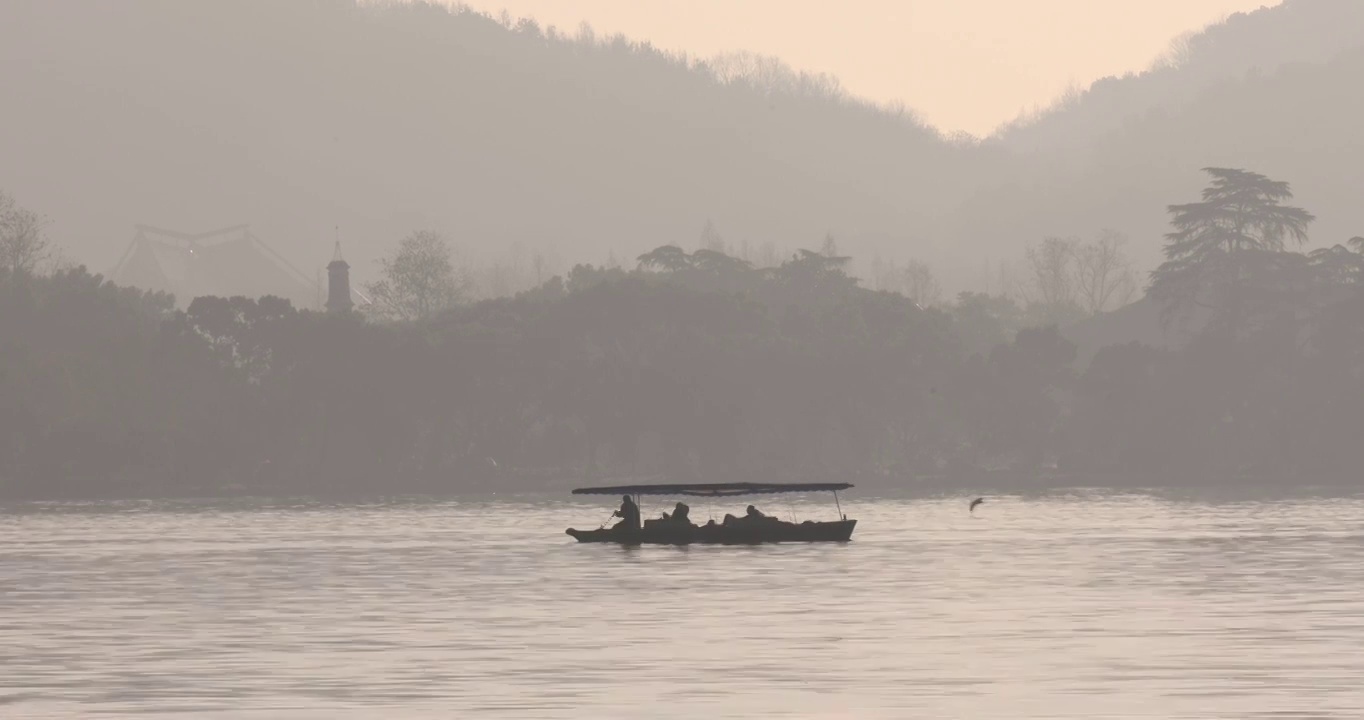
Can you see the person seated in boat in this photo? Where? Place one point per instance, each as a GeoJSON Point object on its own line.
{"type": "Point", "coordinates": [679, 515]}
{"type": "Point", "coordinates": [628, 513]}
{"type": "Point", "coordinates": [752, 514]}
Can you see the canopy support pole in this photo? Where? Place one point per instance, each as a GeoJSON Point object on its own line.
{"type": "Point", "coordinates": [838, 505]}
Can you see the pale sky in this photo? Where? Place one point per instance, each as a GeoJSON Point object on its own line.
{"type": "Point", "coordinates": [962, 64]}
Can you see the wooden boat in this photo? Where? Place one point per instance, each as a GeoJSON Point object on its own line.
{"type": "Point", "coordinates": [734, 531]}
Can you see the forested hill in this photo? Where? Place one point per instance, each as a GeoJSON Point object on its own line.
{"type": "Point", "coordinates": [298, 117]}
{"type": "Point", "coordinates": [1295, 32]}
{"type": "Point", "coordinates": [1275, 89]}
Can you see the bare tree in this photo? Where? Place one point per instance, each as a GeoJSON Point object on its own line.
{"type": "Point", "coordinates": [772, 75]}
{"type": "Point", "coordinates": [540, 265]}
{"type": "Point", "coordinates": [1103, 273]}
{"type": "Point", "coordinates": [915, 280]}
{"type": "Point", "coordinates": [1051, 266]}
{"type": "Point", "coordinates": [502, 277]}
{"type": "Point", "coordinates": [420, 279]}
{"type": "Point", "coordinates": [920, 285]}
{"type": "Point", "coordinates": [745, 250]}
{"type": "Point", "coordinates": [881, 274]}
{"type": "Point", "coordinates": [496, 280]}
{"type": "Point", "coordinates": [711, 239]}
{"type": "Point", "coordinates": [1179, 53]}
{"type": "Point", "coordinates": [24, 248]}
{"type": "Point", "coordinates": [767, 256]}
{"type": "Point", "coordinates": [1011, 283]}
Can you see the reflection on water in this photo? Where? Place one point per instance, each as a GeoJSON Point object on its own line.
{"type": "Point", "coordinates": [1062, 606]}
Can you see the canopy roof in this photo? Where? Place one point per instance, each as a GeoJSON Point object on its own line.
{"type": "Point", "coordinates": [713, 489]}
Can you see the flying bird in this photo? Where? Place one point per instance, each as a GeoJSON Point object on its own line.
{"type": "Point", "coordinates": [974, 503]}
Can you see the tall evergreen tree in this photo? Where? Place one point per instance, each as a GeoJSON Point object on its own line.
{"type": "Point", "coordinates": [1230, 242]}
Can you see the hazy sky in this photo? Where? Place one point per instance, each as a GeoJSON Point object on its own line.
{"type": "Point", "coordinates": [963, 64]}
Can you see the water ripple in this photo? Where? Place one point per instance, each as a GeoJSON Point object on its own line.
{"type": "Point", "coordinates": [1078, 605]}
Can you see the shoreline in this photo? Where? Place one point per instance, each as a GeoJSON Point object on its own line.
{"type": "Point", "coordinates": [983, 483]}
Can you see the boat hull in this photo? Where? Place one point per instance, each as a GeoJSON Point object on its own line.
{"type": "Point", "coordinates": [733, 534]}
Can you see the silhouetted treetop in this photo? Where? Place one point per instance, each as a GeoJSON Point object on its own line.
{"type": "Point", "coordinates": [1230, 242]}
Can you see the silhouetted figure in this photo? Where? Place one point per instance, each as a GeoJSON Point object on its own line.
{"type": "Point", "coordinates": [974, 503]}
{"type": "Point", "coordinates": [752, 514]}
{"type": "Point", "coordinates": [628, 513]}
{"type": "Point", "coordinates": [679, 514]}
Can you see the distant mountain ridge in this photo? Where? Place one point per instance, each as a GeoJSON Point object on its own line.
{"type": "Point", "coordinates": [309, 120]}
{"type": "Point", "coordinates": [1297, 31]}
{"type": "Point", "coordinates": [1299, 122]}
{"type": "Point", "coordinates": [299, 117]}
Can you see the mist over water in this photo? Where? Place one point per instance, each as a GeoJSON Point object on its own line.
{"type": "Point", "coordinates": [1204, 604]}
{"type": "Point", "coordinates": [339, 248]}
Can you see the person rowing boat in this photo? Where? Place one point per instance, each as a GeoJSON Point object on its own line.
{"type": "Point", "coordinates": [628, 513]}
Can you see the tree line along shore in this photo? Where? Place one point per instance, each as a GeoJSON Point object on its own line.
{"type": "Point", "coordinates": [697, 365]}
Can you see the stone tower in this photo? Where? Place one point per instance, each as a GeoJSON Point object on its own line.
{"type": "Point", "coordinates": [338, 284]}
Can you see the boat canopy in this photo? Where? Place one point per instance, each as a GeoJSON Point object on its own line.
{"type": "Point", "coordinates": [713, 489]}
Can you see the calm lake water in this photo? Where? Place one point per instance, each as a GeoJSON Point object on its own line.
{"type": "Point", "coordinates": [1068, 605]}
